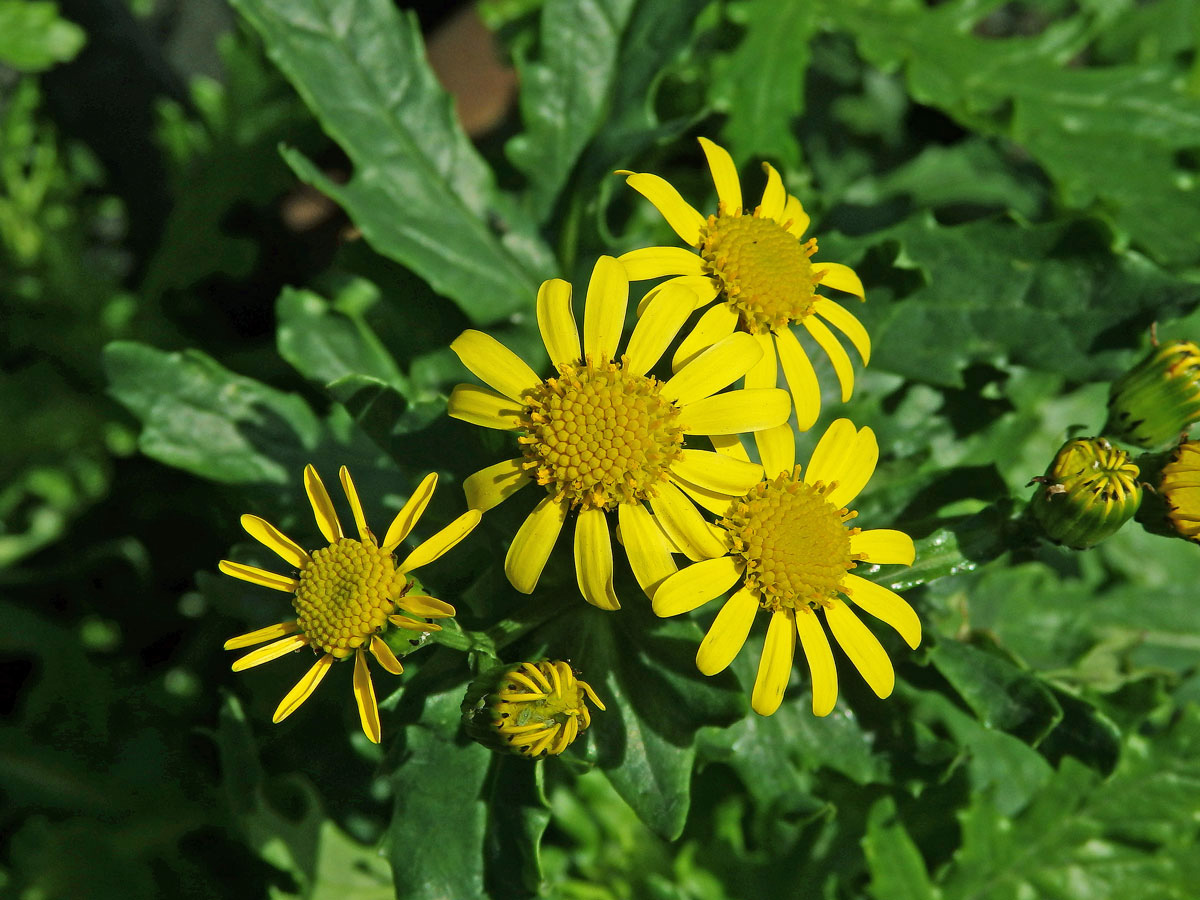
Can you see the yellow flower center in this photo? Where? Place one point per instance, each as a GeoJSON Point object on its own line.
{"type": "Point", "coordinates": [598, 435]}
{"type": "Point", "coordinates": [795, 542]}
{"type": "Point", "coordinates": [764, 272]}
{"type": "Point", "coordinates": [346, 593]}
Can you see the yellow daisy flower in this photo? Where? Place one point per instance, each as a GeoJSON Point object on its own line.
{"type": "Point", "coordinates": [1180, 489]}
{"type": "Point", "coordinates": [600, 434]}
{"type": "Point", "coordinates": [538, 709]}
{"type": "Point", "coordinates": [757, 263]}
{"type": "Point", "coordinates": [792, 550]}
{"type": "Point", "coordinates": [346, 593]}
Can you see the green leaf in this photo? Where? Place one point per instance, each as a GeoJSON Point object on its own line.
{"type": "Point", "coordinates": [199, 416]}
{"type": "Point", "coordinates": [761, 83]}
{"type": "Point", "coordinates": [518, 816]}
{"type": "Point", "coordinates": [440, 821]}
{"type": "Point", "coordinates": [644, 672]}
{"type": "Point", "coordinates": [33, 37]}
{"type": "Point", "coordinates": [1051, 297]}
{"type": "Point", "coordinates": [325, 862]}
{"type": "Point", "coordinates": [327, 341]}
{"type": "Point", "coordinates": [420, 193]}
{"type": "Point", "coordinates": [1000, 694]}
{"type": "Point", "coordinates": [565, 94]}
{"type": "Point", "coordinates": [897, 869]}
{"type": "Point", "coordinates": [1112, 137]}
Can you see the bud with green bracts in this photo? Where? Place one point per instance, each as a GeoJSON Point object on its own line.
{"type": "Point", "coordinates": [532, 709]}
{"type": "Point", "coordinates": [1090, 490]}
{"type": "Point", "coordinates": [1159, 398]}
{"type": "Point", "coordinates": [1173, 507]}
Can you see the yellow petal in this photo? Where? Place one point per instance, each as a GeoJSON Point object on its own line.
{"type": "Point", "coordinates": [774, 196]}
{"type": "Point", "coordinates": [410, 624]}
{"type": "Point", "coordinates": [765, 372]}
{"type": "Point", "coordinates": [729, 445]}
{"type": "Point", "coordinates": [862, 647]}
{"type": "Point", "coordinates": [262, 634]}
{"type": "Point", "coordinates": [303, 689]}
{"type": "Point", "coordinates": [532, 544]}
{"type": "Point", "coordinates": [323, 511]}
{"type": "Point", "coordinates": [839, 277]}
{"type": "Point", "coordinates": [820, 661]}
{"type": "Point", "coordinates": [661, 321]}
{"type": "Point", "coordinates": [837, 354]}
{"type": "Point", "coordinates": [484, 407]}
{"type": "Point", "coordinates": [274, 539]}
{"type": "Point", "coordinates": [846, 457]}
{"type": "Point", "coordinates": [593, 559]}
{"type": "Point", "coordinates": [648, 554]}
{"type": "Point", "coordinates": [702, 286]}
{"type": "Point", "coordinates": [795, 219]}
{"type": "Point", "coordinates": [383, 653]}
{"type": "Point", "coordinates": [718, 473]}
{"type": "Point", "coordinates": [410, 513]}
{"type": "Point", "coordinates": [886, 605]}
{"type": "Point", "coordinates": [716, 323]}
{"type": "Point", "coordinates": [681, 520]}
{"type": "Point", "coordinates": [696, 585]}
{"type": "Point", "coordinates": [491, 486]}
{"type": "Point", "coordinates": [728, 632]}
{"type": "Point", "coordinates": [679, 214]}
{"type": "Point", "coordinates": [265, 654]}
{"type": "Point", "coordinates": [725, 176]}
{"type": "Point", "coordinates": [735, 412]}
{"type": "Point", "coordinates": [604, 309]}
{"type": "Point", "coordinates": [494, 364]}
{"type": "Point", "coordinates": [801, 379]}
{"type": "Point", "coordinates": [884, 545]}
{"type": "Point", "coordinates": [845, 322]}
{"type": "Point", "coordinates": [360, 521]}
{"type": "Point", "coordinates": [656, 262]}
{"type": "Point", "coordinates": [434, 547]}
{"type": "Point", "coordinates": [425, 606]}
{"type": "Point", "coordinates": [364, 696]}
{"type": "Point", "coordinates": [717, 367]}
{"type": "Point", "coordinates": [776, 449]}
{"type": "Point", "coordinates": [717, 504]}
{"type": "Point", "coordinates": [258, 576]}
{"type": "Point", "coordinates": [556, 322]}
{"type": "Point", "coordinates": [775, 666]}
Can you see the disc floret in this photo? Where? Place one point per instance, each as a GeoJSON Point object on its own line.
{"type": "Point", "coordinates": [794, 542]}
{"type": "Point", "coordinates": [765, 274]}
{"type": "Point", "coordinates": [598, 435]}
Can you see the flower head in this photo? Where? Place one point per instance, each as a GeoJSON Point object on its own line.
{"type": "Point", "coordinates": [1089, 491]}
{"type": "Point", "coordinates": [346, 593]}
{"type": "Point", "coordinates": [601, 435]}
{"type": "Point", "coordinates": [1159, 398]}
{"type": "Point", "coordinates": [534, 709]}
{"type": "Point", "coordinates": [756, 263]}
{"type": "Point", "coordinates": [792, 549]}
{"type": "Point", "coordinates": [1179, 488]}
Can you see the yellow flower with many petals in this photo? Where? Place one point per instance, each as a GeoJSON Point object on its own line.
{"type": "Point", "coordinates": [601, 434]}
{"type": "Point", "coordinates": [756, 262]}
{"type": "Point", "coordinates": [792, 549]}
{"type": "Point", "coordinates": [346, 593]}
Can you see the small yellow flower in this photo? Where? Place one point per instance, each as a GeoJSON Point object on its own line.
{"type": "Point", "coordinates": [346, 593]}
{"type": "Point", "coordinates": [1089, 491]}
{"type": "Point", "coordinates": [535, 709]}
{"type": "Point", "coordinates": [1180, 489]}
{"type": "Point", "coordinates": [792, 550]}
{"type": "Point", "coordinates": [756, 262]}
{"type": "Point", "coordinates": [600, 434]}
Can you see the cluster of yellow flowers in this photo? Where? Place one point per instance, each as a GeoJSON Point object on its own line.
{"type": "Point", "coordinates": [602, 435]}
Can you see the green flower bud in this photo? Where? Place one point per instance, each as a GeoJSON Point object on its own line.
{"type": "Point", "coordinates": [1089, 491]}
{"type": "Point", "coordinates": [533, 709]}
{"type": "Point", "coordinates": [1159, 398]}
{"type": "Point", "coordinates": [1179, 488]}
